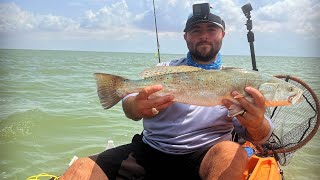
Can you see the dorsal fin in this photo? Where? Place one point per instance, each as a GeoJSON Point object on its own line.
{"type": "Point", "coordinates": [230, 67]}
{"type": "Point", "coordinates": [160, 70]}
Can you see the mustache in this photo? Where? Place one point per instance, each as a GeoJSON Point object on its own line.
{"type": "Point", "coordinates": [204, 43]}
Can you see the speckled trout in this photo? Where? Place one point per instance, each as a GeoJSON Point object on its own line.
{"type": "Point", "coordinates": [192, 85]}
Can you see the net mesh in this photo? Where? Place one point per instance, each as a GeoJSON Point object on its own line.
{"type": "Point", "coordinates": [294, 125]}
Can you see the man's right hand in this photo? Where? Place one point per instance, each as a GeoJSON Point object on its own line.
{"type": "Point", "coordinates": [145, 104]}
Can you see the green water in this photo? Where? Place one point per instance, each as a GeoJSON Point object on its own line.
{"type": "Point", "coordinates": [49, 109]}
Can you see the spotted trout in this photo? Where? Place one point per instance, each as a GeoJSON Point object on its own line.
{"type": "Point", "coordinates": [192, 85]}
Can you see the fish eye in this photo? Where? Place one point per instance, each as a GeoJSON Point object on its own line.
{"type": "Point", "coordinates": [290, 89]}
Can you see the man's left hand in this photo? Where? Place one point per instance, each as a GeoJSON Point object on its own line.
{"type": "Point", "coordinates": [253, 116]}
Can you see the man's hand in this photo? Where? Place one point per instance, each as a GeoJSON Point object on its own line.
{"type": "Point", "coordinates": [253, 117]}
{"type": "Point", "coordinates": [145, 104]}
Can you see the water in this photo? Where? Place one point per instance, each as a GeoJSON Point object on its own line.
{"type": "Point", "coordinates": [50, 112]}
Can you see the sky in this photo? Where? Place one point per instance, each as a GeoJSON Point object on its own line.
{"type": "Point", "coordinates": [281, 27]}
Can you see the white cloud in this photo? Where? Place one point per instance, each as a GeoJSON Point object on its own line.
{"type": "Point", "coordinates": [291, 16]}
{"type": "Point", "coordinates": [231, 13]}
{"type": "Point", "coordinates": [114, 16]}
{"type": "Point", "coordinates": [109, 22]}
{"type": "Point", "coordinates": [55, 23]}
{"type": "Point", "coordinates": [14, 19]}
{"type": "Point", "coordinates": [288, 15]}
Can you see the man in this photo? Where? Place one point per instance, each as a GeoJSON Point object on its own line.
{"type": "Point", "coordinates": [182, 141]}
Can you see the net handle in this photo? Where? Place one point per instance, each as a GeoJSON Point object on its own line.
{"type": "Point", "coordinates": [314, 130]}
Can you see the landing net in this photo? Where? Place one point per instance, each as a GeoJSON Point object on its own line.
{"type": "Point", "coordinates": [294, 125]}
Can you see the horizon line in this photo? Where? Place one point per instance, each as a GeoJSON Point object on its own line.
{"type": "Point", "coordinates": [101, 51]}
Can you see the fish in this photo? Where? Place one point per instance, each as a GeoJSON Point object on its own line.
{"type": "Point", "coordinates": [196, 86]}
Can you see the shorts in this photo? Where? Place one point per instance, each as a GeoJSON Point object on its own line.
{"type": "Point", "coordinates": [138, 160]}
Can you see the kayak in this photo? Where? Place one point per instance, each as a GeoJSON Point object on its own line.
{"type": "Point", "coordinates": [262, 168]}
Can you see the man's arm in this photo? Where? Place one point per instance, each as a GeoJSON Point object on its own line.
{"type": "Point", "coordinates": [144, 104]}
{"type": "Point", "coordinates": [259, 133]}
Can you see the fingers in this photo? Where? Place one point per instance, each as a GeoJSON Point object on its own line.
{"type": "Point", "coordinates": [247, 102]}
{"type": "Point", "coordinates": [153, 106]}
{"type": "Point", "coordinates": [146, 92]}
{"type": "Point", "coordinates": [154, 111]}
{"type": "Point", "coordinates": [158, 102]}
{"type": "Point", "coordinates": [253, 106]}
{"type": "Point", "coordinates": [149, 105]}
{"type": "Point", "coordinates": [164, 105]}
{"type": "Point", "coordinates": [246, 118]}
{"type": "Point", "coordinates": [242, 100]}
{"type": "Point", "coordinates": [227, 103]}
{"type": "Point", "coordinates": [257, 96]}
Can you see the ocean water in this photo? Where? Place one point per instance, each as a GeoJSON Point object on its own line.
{"type": "Point", "coordinates": [50, 112]}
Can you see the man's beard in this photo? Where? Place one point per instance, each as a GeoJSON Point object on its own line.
{"type": "Point", "coordinates": [204, 57]}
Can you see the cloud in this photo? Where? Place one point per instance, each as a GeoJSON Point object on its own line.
{"type": "Point", "coordinates": [124, 20]}
{"type": "Point", "coordinates": [231, 13]}
{"type": "Point", "coordinates": [113, 16]}
{"type": "Point", "coordinates": [109, 22]}
{"type": "Point", "coordinates": [297, 16]}
{"type": "Point", "coordinates": [284, 15]}
{"type": "Point", "coordinates": [14, 19]}
{"type": "Point", "coordinates": [55, 23]}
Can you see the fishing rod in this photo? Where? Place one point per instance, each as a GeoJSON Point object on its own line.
{"type": "Point", "coordinates": [246, 10]}
{"type": "Point", "coordinates": [155, 23]}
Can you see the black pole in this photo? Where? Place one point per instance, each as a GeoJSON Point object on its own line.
{"type": "Point", "coordinates": [155, 22]}
{"type": "Point", "coordinates": [246, 10]}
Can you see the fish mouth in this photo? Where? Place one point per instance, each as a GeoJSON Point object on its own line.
{"type": "Point", "coordinates": [296, 98]}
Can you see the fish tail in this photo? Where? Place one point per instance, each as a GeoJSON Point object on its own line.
{"type": "Point", "coordinates": [108, 88]}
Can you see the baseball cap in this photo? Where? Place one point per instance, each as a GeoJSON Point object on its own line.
{"type": "Point", "coordinates": [209, 18]}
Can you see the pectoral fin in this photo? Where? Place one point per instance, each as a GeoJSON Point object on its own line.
{"type": "Point", "coordinates": [235, 109]}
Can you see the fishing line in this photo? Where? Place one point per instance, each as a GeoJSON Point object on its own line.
{"type": "Point", "coordinates": [155, 23]}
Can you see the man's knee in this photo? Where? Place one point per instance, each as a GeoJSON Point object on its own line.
{"type": "Point", "coordinates": [84, 168]}
{"type": "Point", "coordinates": [229, 149]}
{"type": "Point", "coordinates": [224, 157]}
